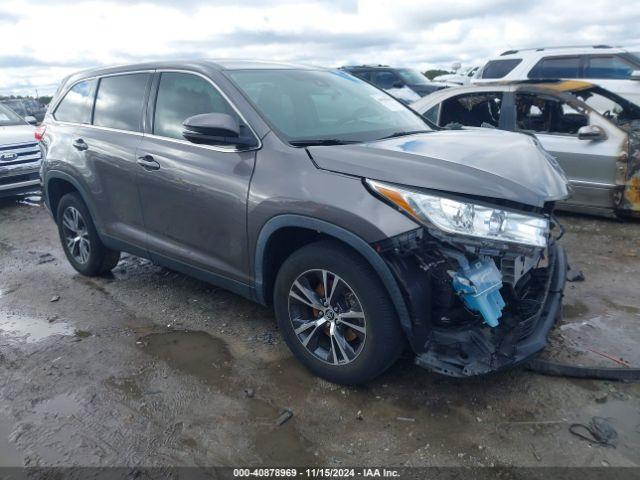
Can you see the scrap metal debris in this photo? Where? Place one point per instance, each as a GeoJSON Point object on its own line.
{"type": "Point", "coordinates": [249, 392]}
{"type": "Point", "coordinates": [575, 275]}
{"type": "Point", "coordinates": [284, 417]}
{"type": "Point", "coordinates": [619, 361]}
{"type": "Point", "coordinates": [598, 431]}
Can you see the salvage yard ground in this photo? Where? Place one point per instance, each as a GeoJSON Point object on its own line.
{"type": "Point", "coordinates": [149, 367]}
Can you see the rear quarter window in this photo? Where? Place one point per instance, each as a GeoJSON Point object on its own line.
{"type": "Point", "coordinates": [499, 68]}
{"type": "Point", "coordinates": [76, 105]}
{"type": "Point", "coordinates": [120, 101]}
{"type": "Point", "coordinates": [556, 67]}
{"type": "Point", "coordinates": [608, 67]}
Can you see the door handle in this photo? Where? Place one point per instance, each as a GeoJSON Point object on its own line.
{"type": "Point", "coordinates": [148, 163]}
{"type": "Point", "coordinates": [80, 144]}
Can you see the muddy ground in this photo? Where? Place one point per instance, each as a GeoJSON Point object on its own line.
{"type": "Point", "coordinates": [149, 367]}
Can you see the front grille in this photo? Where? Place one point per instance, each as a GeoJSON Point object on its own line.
{"type": "Point", "coordinates": [19, 153]}
{"type": "Point", "coordinates": [18, 178]}
{"type": "Point", "coordinates": [529, 311]}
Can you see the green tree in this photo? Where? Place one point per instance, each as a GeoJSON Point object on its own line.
{"type": "Point", "coordinates": [431, 74]}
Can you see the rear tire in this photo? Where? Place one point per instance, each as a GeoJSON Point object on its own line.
{"type": "Point", "coordinates": [352, 338]}
{"type": "Point", "coordinates": [79, 237]}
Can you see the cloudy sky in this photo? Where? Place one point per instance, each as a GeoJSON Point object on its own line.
{"type": "Point", "coordinates": [44, 40]}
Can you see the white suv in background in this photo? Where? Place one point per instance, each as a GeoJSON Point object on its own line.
{"type": "Point", "coordinates": [615, 69]}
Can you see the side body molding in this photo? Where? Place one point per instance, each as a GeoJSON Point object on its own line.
{"type": "Point", "coordinates": [362, 247]}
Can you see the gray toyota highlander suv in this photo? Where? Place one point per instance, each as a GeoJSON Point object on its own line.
{"type": "Point", "coordinates": [310, 190]}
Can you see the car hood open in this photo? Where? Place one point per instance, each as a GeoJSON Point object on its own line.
{"type": "Point", "coordinates": [479, 162]}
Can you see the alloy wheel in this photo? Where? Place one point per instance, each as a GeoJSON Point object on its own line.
{"type": "Point", "coordinates": [327, 317]}
{"type": "Point", "coordinates": [76, 235]}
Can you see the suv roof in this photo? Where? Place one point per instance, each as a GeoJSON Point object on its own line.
{"type": "Point", "coordinates": [560, 51]}
{"type": "Point", "coordinates": [569, 47]}
{"type": "Point", "coordinates": [216, 64]}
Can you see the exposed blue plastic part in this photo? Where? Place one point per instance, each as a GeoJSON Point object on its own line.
{"type": "Point", "coordinates": [479, 285]}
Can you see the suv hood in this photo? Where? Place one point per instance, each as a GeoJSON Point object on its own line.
{"type": "Point", "coordinates": [17, 134]}
{"type": "Point", "coordinates": [479, 162]}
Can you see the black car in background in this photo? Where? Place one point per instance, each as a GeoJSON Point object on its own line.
{"type": "Point", "coordinates": [405, 84]}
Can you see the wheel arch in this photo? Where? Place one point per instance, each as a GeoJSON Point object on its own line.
{"type": "Point", "coordinates": [58, 184]}
{"type": "Point", "coordinates": [266, 267]}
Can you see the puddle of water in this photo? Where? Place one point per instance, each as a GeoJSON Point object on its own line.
{"type": "Point", "coordinates": [622, 308]}
{"type": "Point", "coordinates": [576, 310]}
{"type": "Point", "coordinates": [9, 455]}
{"type": "Point", "coordinates": [208, 358]}
{"type": "Point", "coordinates": [64, 405]}
{"type": "Point", "coordinates": [31, 329]}
{"type": "Point", "coordinates": [194, 353]}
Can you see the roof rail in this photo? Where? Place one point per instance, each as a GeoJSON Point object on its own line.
{"type": "Point", "coordinates": [364, 66]}
{"type": "Point", "coordinates": [540, 49]}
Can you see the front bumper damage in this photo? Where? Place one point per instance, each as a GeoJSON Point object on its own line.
{"type": "Point", "coordinates": [497, 329]}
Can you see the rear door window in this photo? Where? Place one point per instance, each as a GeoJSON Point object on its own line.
{"type": "Point", "coordinates": [499, 68]}
{"type": "Point", "coordinates": [608, 67]}
{"type": "Point", "coordinates": [557, 67]}
{"type": "Point", "coordinates": [120, 101]}
{"type": "Point", "coordinates": [183, 95]}
{"type": "Point", "coordinates": [76, 105]}
{"type": "Point", "coordinates": [472, 110]}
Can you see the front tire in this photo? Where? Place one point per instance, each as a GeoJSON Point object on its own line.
{"type": "Point", "coordinates": [79, 237]}
{"type": "Point", "coordinates": [335, 314]}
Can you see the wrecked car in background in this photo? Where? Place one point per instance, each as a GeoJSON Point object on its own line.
{"type": "Point", "coordinates": [593, 133]}
{"type": "Point", "coordinates": [616, 69]}
{"type": "Point", "coordinates": [313, 191]}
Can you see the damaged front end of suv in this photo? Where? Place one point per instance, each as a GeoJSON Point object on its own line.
{"type": "Point", "coordinates": [483, 283]}
{"type": "Point", "coordinates": [481, 273]}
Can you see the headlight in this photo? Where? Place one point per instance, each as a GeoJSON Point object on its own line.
{"type": "Point", "coordinates": [464, 218]}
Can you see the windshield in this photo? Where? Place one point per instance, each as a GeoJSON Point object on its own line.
{"type": "Point", "coordinates": [412, 77]}
{"type": "Point", "coordinates": [330, 106]}
{"type": "Point", "coordinates": [8, 117]}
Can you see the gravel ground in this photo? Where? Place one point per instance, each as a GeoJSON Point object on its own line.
{"type": "Point", "coordinates": [149, 367]}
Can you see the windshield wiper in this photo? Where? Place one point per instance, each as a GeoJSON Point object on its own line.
{"type": "Point", "coordinates": [402, 134]}
{"type": "Point", "coordinates": [320, 142]}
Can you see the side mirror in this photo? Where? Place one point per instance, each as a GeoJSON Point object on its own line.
{"type": "Point", "coordinates": [635, 75]}
{"type": "Point", "coordinates": [212, 129]}
{"type": "Point", "coordinates": [456, 66]}
{"type": "Point", "coordinates": [591, 132]}
{"type": "Point", "coordinates": [31, 120]}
